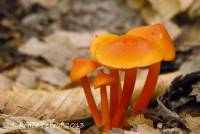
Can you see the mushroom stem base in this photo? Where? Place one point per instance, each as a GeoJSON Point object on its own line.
{"type": "Point", "coordinates": [129, 83]}
{"type": "Point", "coordinates": [91, 102]}
{"type": "Point", "coordinates": [104, 109]}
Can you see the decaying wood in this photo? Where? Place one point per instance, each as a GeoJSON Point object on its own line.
{"type": "Point", "coordinates": [63, 105]}
{"type": "Point", "coordinates": [183, 90]}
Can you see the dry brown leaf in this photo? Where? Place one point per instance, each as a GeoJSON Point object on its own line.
{"type": "Point", "coordinates": [190, 37]}
{"type": "Point", "coordinates": [145, 129]}
{"type": "Point", "coordinates": [91, 130]}
{"type": "Point", "coordinates": [151, 17]}
{"type": "Point", "coordinates": [63, 51]}
{"type": "Point", "coordinates": [33, 47]}
{"type": "Point", "coordinates": [166, 8]}
{"type": "Point", "coordinates": [191, 66]}
{"type": "Point", "coordinates": [63, 44]}
{"type": "Point", "coordinates": [193, 124]}
{"type": "Point", "coordinates": [162, 11]}
{"type": "Point", "coordinates": [26, 79]}
{"type": "Point", "coordinates": [62, 105]}
{"type": "Point", "coordinates": [44, 3]}
{"type": "Point", "coordinates": [32, 125]}
{"type": "Point", "coordinates": [5, 82]}
{"type": "Point", "coordinates": [139, 120]}
{"type": "Point", "coordinates": [196, 91]}
{"type": "Point", "coordinates": [194, 10]}
{"type": "Point", "coordinates": [144, 126]}
{"type": "Point", "coordinates": [185, 4]}
{"type": "Point", "coordinates": [163, 82]}
{"type": "Point", "coordinates": [136, 4]}
{"type": "Point", "coordinates": [30, 76]}
{"type": "Point", "coordinates": [54, 76]}
{"type": "Point", "coordinates": [76, 39]}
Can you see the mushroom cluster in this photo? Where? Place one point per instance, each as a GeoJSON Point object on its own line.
{"type": "Point", "coordinates": [144, 46]}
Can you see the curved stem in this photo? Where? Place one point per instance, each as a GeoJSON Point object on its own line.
{"type": "Point", "coordinates": [91, 102]}
{"type": "Point", "coordinates": [104, 109]}
{"type": "Point", "coordinates": [148, 88]}
{"type": "Point", "coordinates": [129, 83]}
{"type": "Point", "coordinates": [115, 92]}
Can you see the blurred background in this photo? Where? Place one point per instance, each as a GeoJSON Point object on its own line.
{"type": "Point", "coordinates": [39, 38]}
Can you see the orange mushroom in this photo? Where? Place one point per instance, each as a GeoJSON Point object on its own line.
{"type": "Point", "coordinates": [80, 69]}
{"type": "Point", "coordinates": [101, 81]}
{"type": "Point", "coordinates": [159, 36]}
{"type": "Point", "coordinates": [127, 53]}
{"type": "Point", "coordinates": [114, 95]}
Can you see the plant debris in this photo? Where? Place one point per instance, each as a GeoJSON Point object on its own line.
{"type": "Point", "coordinates": [40, 38]}
{"type": "Point", "coordinates": [24, 124]}
{"type": "Point", "coordinates": [181, 91]}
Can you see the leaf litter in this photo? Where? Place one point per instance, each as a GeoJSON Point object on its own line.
{"type": "Point", "coordinates": [33, 32]}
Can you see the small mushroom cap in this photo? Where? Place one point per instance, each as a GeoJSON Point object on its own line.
{"type": "Point", "coordinates": [158, 34]}
{"type": "Point", "coordinates": [128, 52]}
{"type": "Point", "coordinates": [81, 68]}
{"type": "Point", "coordinates": [102, 39]}
{"type": "Point", "coordinates": [102, 79]}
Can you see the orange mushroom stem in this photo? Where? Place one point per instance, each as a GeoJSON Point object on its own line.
{"type": "Point", "coordinates": [115, 92]}
{"type": "Point", "coordinates": [79, 70]}
{"type": "Point", "coordinates": [148, 88]}
{"type": "Point", "coordinates": [100, 81]}
{"type": "Point", "coordinates": [129, 83]}
{"type": "Point", "coordinates": [91, 101]}
{"type": "Point", "coordinates": [104, 109]}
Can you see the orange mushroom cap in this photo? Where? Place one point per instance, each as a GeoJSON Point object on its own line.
{"type": "Point", "coordinates": [81, 68]}
{"type": "Point", "coordinates": [158, 34]}
{"type": "Point", "coordinates": [102, 79]}
{"type": "Point", "coordinates": [128, 52]}
{"type": "Point", "coordinates": [102, 39]}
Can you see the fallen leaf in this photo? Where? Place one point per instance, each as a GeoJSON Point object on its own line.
{"type": "Point", "coordinates": [5, 82]}
{"type": "Point", "coordinates": [179, 93]}
{"type": "Point", "coordinates": [196, 91]}
{"type": "Point", "coordinates": [26, 79]}
{"type": "Point", "coordinates": [166, 9]}
{"type": "Point", "coordinates": [145, 129]}
{"type": "Point", "coordinates": [76, 39]}
{"type": "Point", "coordinates": [63, 44]}
{"type": "Point", "coordinates": [91, 130]}
{"type": "Point", "coordinates": [44, 3]}
{"type": "Point", "coordinates": [139, 120]}
{"type": "Point", "coordinates": [192, 65]}
{"type": "Point", "coordinates": [151, 17]}
{"type": "Point", "coordinates": [26, 124]}
{"type": "Point", "coordinates": [136, 4]}
{"type": "Point", "coordinates": [185, 4]}
{"type": "Point", "coordinates": [174, 130]}
{"type": "Point", "coordinates": [163, 81]}
{"type": "Point", "coordinates": [54, 76]}
{"type": "Point", "coordinates": [159, 11]}
{"type": "Point", "coordinates": [117, 131]}
{"type": "Point", "coordinates": [194, 9]}
{"type": "Point", "coordinates": [130, 132]}
{"type": "Point", "coordinates": [189, 38]}
{"type": "Point", "coordinates": [33, 47]}
{"type": "Point", "coordinates": [193, 124]}
{"type": "Point", "coordinates": [58, 104]}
